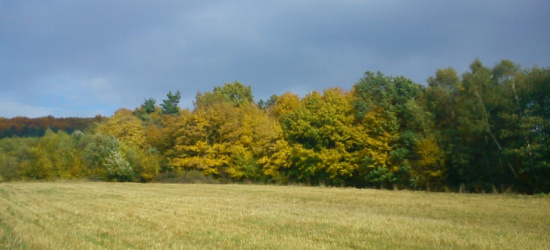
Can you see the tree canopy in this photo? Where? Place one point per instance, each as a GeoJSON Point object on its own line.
{"type": "Point", "coordinates": [487, 129]}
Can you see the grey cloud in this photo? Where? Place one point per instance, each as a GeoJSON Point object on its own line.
{"type": "Point", "coordinates": [76, 58]}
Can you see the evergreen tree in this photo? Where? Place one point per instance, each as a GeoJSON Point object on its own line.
{"type": "Point", "coordinates": [149, 105]}
{"type": "Point", "coordinates": [170, 105]}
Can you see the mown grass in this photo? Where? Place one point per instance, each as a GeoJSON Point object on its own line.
{"type": "Point", "coordinates": [87, 215]}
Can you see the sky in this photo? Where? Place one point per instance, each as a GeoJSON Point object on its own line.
{"type": "Point", "coordinates": [85, 58]}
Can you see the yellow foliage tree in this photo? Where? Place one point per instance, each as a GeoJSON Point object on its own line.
{"type": "Point", "coordinates": [204, 141]}
{"type": "Point", "coordinates": [124, 126]}
{"type": "Point", "coordinates": [267, 151]}
{"type": "Point", "coordinates": [285, 103]}
{"type": "Point", "coordinates": [229, 141]}
{"type": "Point", "coordinates": [429, 165]}
{"type": "Point", "coordinates": [328, 144]}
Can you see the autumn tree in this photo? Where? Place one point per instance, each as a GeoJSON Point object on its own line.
{"type": "Point", "coordinates": [484, 130]}
{"type": "Point", "coordinates": [393, 102]}
{"type": "Point", "coordinates": [124, 126]}
{"type": "Point", "coordinates": [326, 144]}
{"type": "Point", "coordinates": [228, 137]}
{"type": "Point", "coordinates": [235, 93]}
{"type": "Point", "coordinates": [284, 104]}
{"type": "Point", "coordinates": [16, 155]}
{"type": "Point", "coordinates": [205, 141]}
{"type": "Point", "coordinates": [267, 153]}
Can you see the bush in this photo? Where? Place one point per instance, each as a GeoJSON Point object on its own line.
{"type": "Point", "coordinates": [118, 168]}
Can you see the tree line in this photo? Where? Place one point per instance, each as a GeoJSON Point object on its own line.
{"type": "Point", "coordinates": [36, 127]}
{"type": "Point", "coordinates": [486, 130]}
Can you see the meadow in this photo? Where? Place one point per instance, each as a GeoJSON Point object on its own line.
{"type": "Point", "coordinates": [96, 215]}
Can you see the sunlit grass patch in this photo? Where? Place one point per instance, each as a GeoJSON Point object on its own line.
{"type": "Point", "coordinates": [190, 216]}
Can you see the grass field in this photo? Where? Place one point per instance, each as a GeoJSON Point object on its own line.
{"type": "Point", "coordinates": [86, 215]}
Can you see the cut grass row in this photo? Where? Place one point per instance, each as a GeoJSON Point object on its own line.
{"type": "Point", "coordinates": [85, 215]}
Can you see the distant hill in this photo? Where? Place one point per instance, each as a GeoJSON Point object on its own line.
{"type": "Point", "coordinates": [36, 127]}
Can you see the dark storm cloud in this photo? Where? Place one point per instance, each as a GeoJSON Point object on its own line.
{"type": "Point", "coordinates": [72, 58]}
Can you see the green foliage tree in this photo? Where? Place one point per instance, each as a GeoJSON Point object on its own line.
{"type": "Point", "coordinates": [170, 105]}
{"type": "Point", "coordinates": [526, 123]}
{"type": "Point", "coordinates": [443, 98]}
{"type": "Point", "coordinates": [394, 102]}
{"type": "Point", "coordinates": [17, 154]}
{"type": "Point", "coordinates": [9, 167]}
{"type": "Point", "coordinates": [118, 168]}
{"type": "Point", "coordinates": [235, 93]}
{"type": "Point", "coordinates": [485, 122]}
{"type": "Point", "coordinates": [146, 163]}
{"type": "Point", "coordinates": [96, 153]}
{"type": "Point", "coordinates": [267, 103]}
{"type": "Point", "coordinates": [148, 113]}
{"type": "Point", "coordinates": [149, 105]}
{"type": "Point", "coordinates": [488, 129]}
{"type": "Point", "coordinates": [327, 146]}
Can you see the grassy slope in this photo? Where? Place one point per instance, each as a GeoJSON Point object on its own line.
{"type": "Point", "coordinates": [129, 215]}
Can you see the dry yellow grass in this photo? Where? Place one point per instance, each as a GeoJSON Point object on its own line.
{"type": "Point", "coordinates": [192, 216]}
